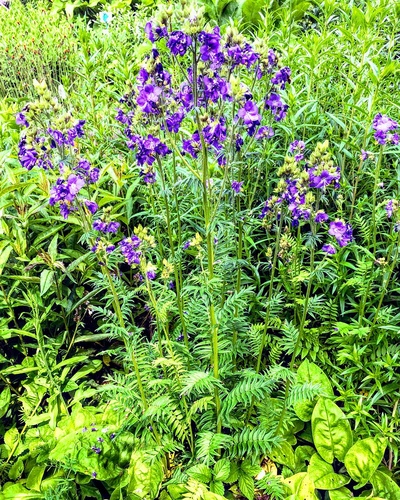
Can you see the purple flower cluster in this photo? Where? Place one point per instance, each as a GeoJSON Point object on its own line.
{"type": "Point", "coordinates": [64, 192]}
{"type": "Point", "coordinates": [68, 137]}
{"type": "Point", "coordinates": [237, 186]}
{"type": "Point", "coordinates": [147, 148]}
{"type": "Point", "coordinates": [205, 90]}
{"type": "Point", "coordinates": [384, 128]}
{"type": "Point", "coordinates": [342, 232]}
{"type": "Point", "coordinates": [277, 107]}
{"type": "Point", "coordinates": [129, 249]}
{"type": "Point", "coordinates": [281, 77]}
{"type": "Point", "coordinates": [105, 227]}
{"type": "Point", "coordinates": [298, 148]}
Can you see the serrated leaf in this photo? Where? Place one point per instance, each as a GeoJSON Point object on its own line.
{"type": "Point", "coordinates": [16, 469]}
{"type": "Point", "coordinates": [200, 473]}
{"type": "Point", "coordinates": [246, 485]}
{"type": "Point", "coordinates": [363, 458]}
{"type": "Point", "coordinates": [331, 431]}
{"type": "Point", "coordinates": [221, 470]}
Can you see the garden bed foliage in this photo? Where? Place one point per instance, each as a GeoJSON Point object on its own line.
{"type": "Point", "coordinates": [199, 239]}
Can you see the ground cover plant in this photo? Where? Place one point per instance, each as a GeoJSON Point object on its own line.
{"type": "Point", "coordinates": [198, 259]}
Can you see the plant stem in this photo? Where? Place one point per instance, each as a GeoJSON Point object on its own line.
{"type": "Point", "coordinates": [118, 312]}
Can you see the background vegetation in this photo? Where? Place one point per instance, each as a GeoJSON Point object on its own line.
{"type": "Point", "coordinates": [267, 369]}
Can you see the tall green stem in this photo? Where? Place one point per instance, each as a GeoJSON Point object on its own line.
{"type": "Point", "coordinates": [118, 312]}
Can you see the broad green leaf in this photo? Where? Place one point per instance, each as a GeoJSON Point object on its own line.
{"type": "Point", "coordinates": [246, 485]}
{"type": "Point", "coordinates": [18, 492]}
{"type": "Point", "coordinates": [384, 486]}
{"type": "Point", "coordinates": [340, 494]}
{"type": "Point", "coordinates": [200, 473]}
{"type": "Point", "coordinates": [310, 373]}
{"type": "Point", "coordinates": [35, 476]}
{"type": "Point", "coordinates": [16, 469]}
{"type": "Point", "coordinates": [283, 454]}
{"type": "Point", "coordinates": [11, 437]}
{"type": "Point", "coordinates": [301, 486]}
{"type": "Point", "coordinates": [46, 280]}
{"type": "Point", "coordinates": [5, 398]}
{"type": "Point", "coordinates": [251, 10]}
{"type": "Point", "coordinates": [145, 479]}
{"type": "Point", "coordinates": [363, 458]}
{"type": "Point", "coordinates": [323, 475]}
{"type": "Point", "coordinates": [331, 431]}
{"type": "Point", "coordinates": [221, 470]}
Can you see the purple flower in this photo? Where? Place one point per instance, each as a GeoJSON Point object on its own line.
{"type": "Point", "coordinates": [297, 146]}
{"type": "Point", "coordinates": [148, 177]}
{"type": "Point", "coordinates": [237, 186]}
{"type": "Point", "coordinates": [389, 208]}
{"type": "Point", "coordinates": [321, 216]}
{"type": "Point", "coordinates": [65, 191]}
{"type": "Point", "coordinates": [193, 145]}
{"type": "Point", "coordinates": [151, 275]}
{"type": "Point", "coordinates": [321, 179]}
{"type": "Point", "coordinates": [148, 98]}
{"type": "Point", "coordinates": [330, 249]}
{"type": "Point", "coordinates": [242, 54]}
{"type": "Point", "coordinates": [99, 225]}
{"type": "Point", "coordinates": [382, 125]}
{"type": "Point", "coordinates": [96, 449]}
{"type": "Point", "coordinates": [281, 77]}
{"type": "Point", "coordinates": [155, 33]}
{"type": "Point", "coordinates": [264, 133]}
{"type": "Point", "coordinates": [58, 137]}
{"type": "Point", "coordinates": [128, 247]}
{"type": "Point", "coordinates": [112, 227]}
{"type": "Point", "coordinates": [91, 206]}
{"type": "Point", "coordinates": [277, 107]}
{"type": "Point", "coordinates": [110, 248]}
{"type": "Point", "coordinates": [249, 114]}
{"type": "Point", "coordinates": [341, 231]}
{"type": "Point", "coordinates": [178, 43]}
{"type": "Point", "coordinates": [94, 475]}
{"type": "Point", "coordinates": [21, 120]}
{"type": "Point", "coordinates": [186, 245]}
{"type": "Point", "coordinates": [27, 157]}
{"type": "Point", "coordinates": [210, 49]}
{"type": "Point", "coordinates": [215, 133]}
{"type": "Point", "coordinates": [174, 121]}
{"type": "Point", "coordinates": [215, 89]}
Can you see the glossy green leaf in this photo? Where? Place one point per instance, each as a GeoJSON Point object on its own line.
{"type": "Point", "coordinates": [5, 398]}
{"type": "Point", "coordinates": [331, 431]}
{"type": "Point", "coordinates": [16, 469]}
{"type": "Point", "coordinates": [323, 475]}
{"type": "Point", "coordinates": [310, 373]}
{"type": "Point", "coordinates": [46, 280]}
{"type": "Point", "coordinates": [301, 486]}
{"type": "Point", "coordinates": [363, 458]}
{"type": "Point", "coordinates": [384, 486]}
{"type": "Point", "coordinates": [340, 494]}
{"type": "Point", "coordinates": [35, 477]}
{"type": "Point", "coordinates": [144, 479]}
